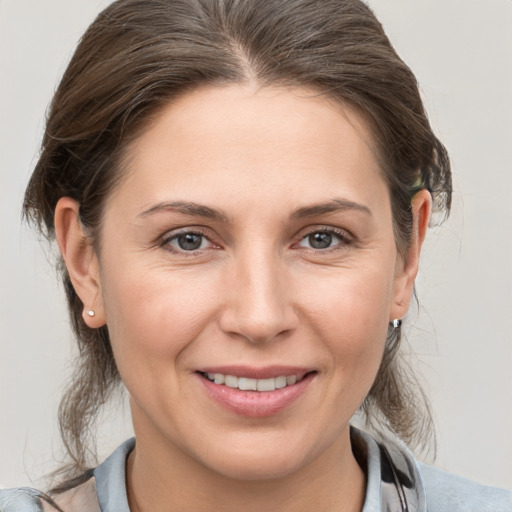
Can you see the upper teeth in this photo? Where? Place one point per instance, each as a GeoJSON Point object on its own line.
{"type": "Point", "coordinates": [247, 384]}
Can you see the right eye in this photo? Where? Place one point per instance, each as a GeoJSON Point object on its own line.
{"type": "Point", "coordinates": [187, 241]}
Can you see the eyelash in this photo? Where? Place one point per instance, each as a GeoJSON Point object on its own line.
{"type": "Point", "coordinates": [166, 241]}
{"type": "Point", "coordinates": [344, 240]}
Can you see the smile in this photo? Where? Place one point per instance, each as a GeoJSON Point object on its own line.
{"type": "Point", "coordinates": [256, 393]}
{"type": "Point", "coordinates": [248, 384]}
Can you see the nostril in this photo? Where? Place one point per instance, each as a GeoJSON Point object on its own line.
{"type": "Point", "coordinates": [256, 330]}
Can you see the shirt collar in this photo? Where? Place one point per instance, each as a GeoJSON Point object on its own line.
{"type": "Point", "coordinates": [393, 482]}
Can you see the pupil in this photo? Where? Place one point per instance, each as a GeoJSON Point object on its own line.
{"type": "Point", "coordinates": [320, 240]}
{"type": "Point", "coordinates": [190, 241]}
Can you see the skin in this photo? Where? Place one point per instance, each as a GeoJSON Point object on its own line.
{"type": "Point", "coordinates": [255, 293]}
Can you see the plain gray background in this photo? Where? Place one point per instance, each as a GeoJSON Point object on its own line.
{"type": "Point", "coordinates": [461, 52]}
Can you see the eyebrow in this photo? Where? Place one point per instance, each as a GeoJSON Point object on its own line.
{"type": "Point", "coordinates": [187, 208]}
{"type": "Point", "coordinates": [200, 210]}
{"type": "Point", "coordinates": [330, 207]}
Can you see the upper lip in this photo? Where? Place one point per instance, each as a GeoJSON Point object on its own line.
{"type": "Point", "coordinates": [251, 372]}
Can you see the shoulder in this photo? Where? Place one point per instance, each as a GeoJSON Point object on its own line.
{"type": "Point", "coordinates": [103, 490]}
{"type": "Point", "coordinates": [20, 499]}
{"type": "Point", "coordinates": [450, 493]}
{"type": "Point", "coordinates": [81, 498]}
{"type": "Point", "coordinates": [425, 488]}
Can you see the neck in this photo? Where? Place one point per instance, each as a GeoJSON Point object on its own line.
{"type": "Point", "coordinates": [163, 477]}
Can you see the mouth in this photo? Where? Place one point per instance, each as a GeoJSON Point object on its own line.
{"type": "Point", "coordinates": [250, 384]}
{"type": "Point", "coordinates": [256, 393]}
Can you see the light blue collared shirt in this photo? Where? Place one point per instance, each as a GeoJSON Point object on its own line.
{"type": "Point", "coordinates": [396, 482]}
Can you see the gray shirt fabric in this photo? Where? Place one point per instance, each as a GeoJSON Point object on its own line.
{"type": "Point", "coordinates": [396, 482]}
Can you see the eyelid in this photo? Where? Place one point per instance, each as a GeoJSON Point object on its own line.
{"type": "Point", "coordinates": [345, 237]}
{"type": "Point", "coordinates": [165, 240]}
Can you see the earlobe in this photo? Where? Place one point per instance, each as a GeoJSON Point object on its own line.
{"type": "Point", "coordinates": [407, 268]}
{"type": "Point", "coordinates": [80, 259]}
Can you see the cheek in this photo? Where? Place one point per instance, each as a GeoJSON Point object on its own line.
{"type": "Point", "coordinates": [352, 301]}
{"type": "Point", "coordinates": [351, 316]}
{"type": "Point", "coordinates": [154, 315]}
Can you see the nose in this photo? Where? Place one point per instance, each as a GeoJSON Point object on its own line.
{"type": "Point", "coordinates": [258, 305]}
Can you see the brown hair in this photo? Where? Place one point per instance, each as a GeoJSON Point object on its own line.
{"type": "Point", "coordinates": [139, 54]}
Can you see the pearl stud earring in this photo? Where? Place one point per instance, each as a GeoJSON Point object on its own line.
{"type": "Point", "coordinates": [91, 313]}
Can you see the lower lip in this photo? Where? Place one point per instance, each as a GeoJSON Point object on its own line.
{"type": "Point", "coordinates": [256, 404]}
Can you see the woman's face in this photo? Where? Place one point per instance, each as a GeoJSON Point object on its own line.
{"type": "Point", "coordinates": [250, 243]}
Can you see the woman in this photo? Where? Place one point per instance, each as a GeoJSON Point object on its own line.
{"type": "Point", "coordinates": [240, 191]}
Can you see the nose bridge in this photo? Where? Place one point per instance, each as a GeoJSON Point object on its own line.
{"type": "Point", "coordinates": [259, 306]}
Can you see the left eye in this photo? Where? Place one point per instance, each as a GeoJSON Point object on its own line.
{"type": "Point", "coordinates": [188, 242]}
{"type": "Point", "coordinates": [321, 240]}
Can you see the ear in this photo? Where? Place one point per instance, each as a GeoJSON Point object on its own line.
{"type": "Point", "coordinates": [80, 259]}
{"type": "Point", "coordinates": [407, 268]}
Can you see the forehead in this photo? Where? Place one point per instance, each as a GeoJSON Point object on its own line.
{"type": "Point", "coordinates": [220, 143]}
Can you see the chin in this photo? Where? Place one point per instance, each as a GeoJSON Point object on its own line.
{"type": "Point", "coordinates": [257, 468]}
{"type": "Point", "coordinates": [259, 458]}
